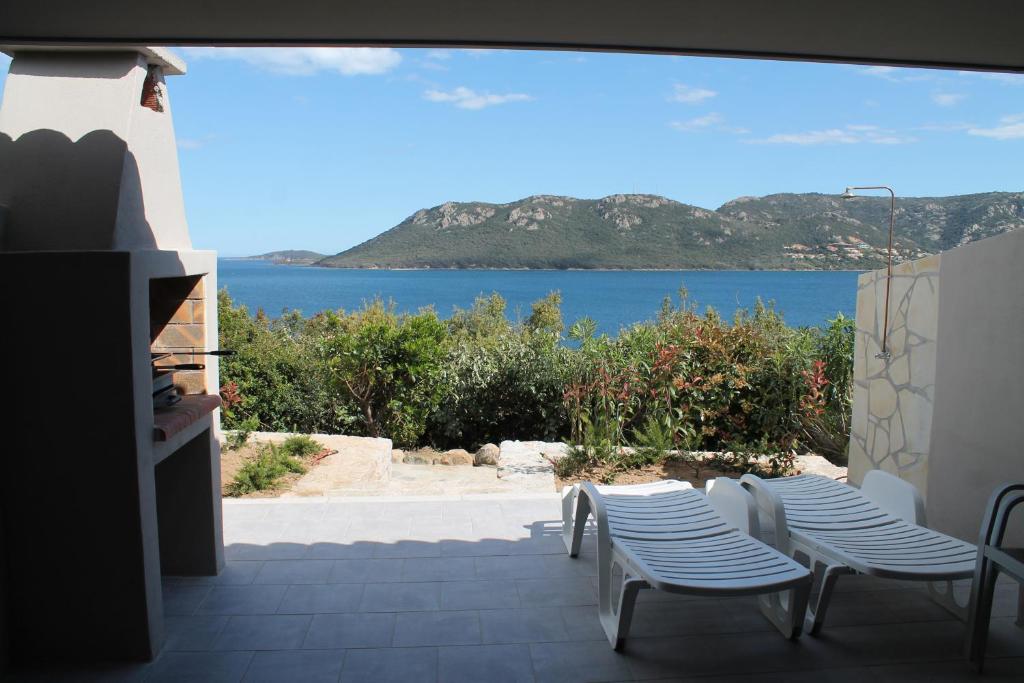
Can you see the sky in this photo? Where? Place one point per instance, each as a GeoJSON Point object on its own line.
{"type": "Point", "coordinates": [323, 148]}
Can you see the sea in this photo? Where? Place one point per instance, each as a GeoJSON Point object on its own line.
{"type": "Point", "coordinates": [613, 299]}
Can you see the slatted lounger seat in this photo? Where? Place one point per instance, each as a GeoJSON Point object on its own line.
{"type": "Point", "coordinates": [666, 535]}
{"type": "Point", "coordinates": [876, 530]}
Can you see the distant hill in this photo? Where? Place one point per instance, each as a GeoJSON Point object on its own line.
{"type": "Point", "coordinates": [798, 231]}
{"type": "Point", "coordinates": [291, 256]}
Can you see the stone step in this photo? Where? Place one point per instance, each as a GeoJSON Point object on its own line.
{"type": "Point", "coordinates": [529, 464]}
{"type": "Point", "coordinates": [359, 462]}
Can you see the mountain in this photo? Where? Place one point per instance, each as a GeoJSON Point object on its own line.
{"type": "Point", "coordinates": [289, 256]}
{"type": "Point", "coordinates": [638, 231]}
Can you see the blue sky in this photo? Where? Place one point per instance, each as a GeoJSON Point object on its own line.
{"type": "Point", "coordinates": [324, 148]}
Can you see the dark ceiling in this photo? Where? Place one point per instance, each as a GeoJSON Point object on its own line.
{"type": "Point", "coordinates": [964, 34]}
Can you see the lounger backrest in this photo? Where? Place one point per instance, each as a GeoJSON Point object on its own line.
{"type": "Point", "coordinates": [671, 510]}
{"type": "Point", "coordinates": [734, 504]}
{"type": "Point", "coordinates": [893, 495]}
{"type": "Point", "coordinates": [820, 503]}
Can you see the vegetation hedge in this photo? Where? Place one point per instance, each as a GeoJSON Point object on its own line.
{"type": "Point", "coordinates": [685, 381]}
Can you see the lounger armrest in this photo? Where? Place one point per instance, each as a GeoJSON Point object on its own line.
{"type": "Point", "coordinates": [895, 496]}
{"type": "Point", "coordinates": [769, 502]}
{"type": "Point", "coordinates": [735, 504]}
{"type": "Point", "coordinates": [597, 508]}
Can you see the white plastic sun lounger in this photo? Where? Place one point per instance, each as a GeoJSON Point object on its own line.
{"type": "Point", "coordinates": [876, 530]}
{"type": "Point", "coordinates": [668, 536]}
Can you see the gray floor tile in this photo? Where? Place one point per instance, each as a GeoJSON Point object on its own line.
{"type": "Point", "coordinates": [181, 599]}
{"type": "Point", "coordinates": [264, 632]}
{"type": "Point", "coordinates": [408, 548]}
{"type": "Point", "coordinates": [526, 625]}
{"type": "Point", "coordinates": [242, 600]}
{"type": "Point", "coordinates": [582, 623]}
{"type": "Point", "coordinates": [192, 633]}
{"type": "Point", "coordinates": [439, 569]}
{"type": "Point", "coordinates": [479, 548]}
{"type": "Point", "coordinates": [294, 571]}
{"type": "Point", "coordinates": [201, 667]}
{"type": "Point", "coordinates": [322, 666]}
{"type": "Point", "coordinates": [321, 598]}
{"type": "Point", "coordinates": [590, 662]}
{"type": "Point", "coordinates": [556, 592]}
{"type": "Point", "coordinates": [279, 550]}
{"type": "Point", "coordinates": [694, 617]}
{"type": "Point", "coordinates": [479, 595]}
{"type": "Point", "coordinates": [401, 597]}
{"type": "Point", "coordinates": [329, 550]}
{"type": "Point", "coordinates": [350, 631]}
{"type": "Point", "coordinates": [366, 571]}
{"type": "Point", "coordinates": [511, 567]}
{"type": "Point", "coordinates": [390, 665]}
{"type": "Point", "coordinates": [491, 663]}
{"type": "Point", "coordinates": [563, 566]}
{"type": "Point", "coordinates": [413, 629]}
{"type": "Point", "coordinates": [237, 573]}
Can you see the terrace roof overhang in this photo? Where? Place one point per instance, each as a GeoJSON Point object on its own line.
{"type": "Point", "coordinates": [924, 33]}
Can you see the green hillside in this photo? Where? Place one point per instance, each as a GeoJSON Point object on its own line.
{"type": "Point", "coordinates": [800, 231]}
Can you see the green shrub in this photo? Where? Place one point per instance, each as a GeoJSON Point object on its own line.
{"type": "Point", "coordinates": [685, 382]}
{"type": "Point", "coordinates": [389, 366]}
{"type": "Point", "coordinates": [233, 440]}
{"type": "Point", "coordinates": [264, 470]}
{"type": "Point", "coordinates": [301, 446]}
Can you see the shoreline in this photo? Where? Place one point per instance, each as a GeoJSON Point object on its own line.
{"type": "Point", "coordinates": [558, 270]}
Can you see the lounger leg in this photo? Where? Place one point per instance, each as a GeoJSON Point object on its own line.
{"type": "Point", "coordinates": [786, 610]}
{"type": "Point", "coordinates": [1020, 605]}
{"type": "Point", "coordinates": [579, 525]}
{"type": "Point", "coordinates": [980, 614]}
{"type": "Point", "coordinates": [825, 576]}
{"type": "Point", "coordinates": [943, 594]}
{"type": "Point", "coordinates": [616, 611]}
{"type": "Point", "coordinates": [569, 494]}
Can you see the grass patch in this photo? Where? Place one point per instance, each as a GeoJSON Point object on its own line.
{"type": "Point", "coordinates": [264, 470]}
{"type": "Point", "coordinates": [301, 446]}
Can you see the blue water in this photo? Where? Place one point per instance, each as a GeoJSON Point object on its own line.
{"type": "Point", "coordinates": [614, 299]}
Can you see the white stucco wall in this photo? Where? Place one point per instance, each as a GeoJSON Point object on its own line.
{"type": "Point", "coordinates": [82, 164]}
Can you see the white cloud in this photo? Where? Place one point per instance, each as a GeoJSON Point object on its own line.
{"type": "Point", "coordinates": [946, 127]}
{"type": "Point", "coordinates": [698, 123]}
{"type": "Point", "coordinates": [712, 121]}
{"type": "Point", "coordinates": [1009, 128]}
{"type": "Point", "coordinates": [847, 135]}
{"type": "Point", "coordinates": [194, 143]}
{"type": "Point", "coordinates": [440, 55]}
{"type": "Point", "coordinates": [947, 99]}
{"type": "Point", "coordinates": [1005, 78]}
{"type": "Point", "coordinates": [305, 61]}
{"type": "Point", "coordinates": [464, 98]}
{"type": "Point", "coordinates": [690, 95]}
{"type": "Point", "coordinates": [896, 74]}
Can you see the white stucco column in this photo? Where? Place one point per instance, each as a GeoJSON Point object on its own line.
{"type": "Point", "coordinates": [85, 163]}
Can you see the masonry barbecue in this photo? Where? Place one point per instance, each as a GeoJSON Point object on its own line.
{"type": "Point", "coordinates": [93, 232]}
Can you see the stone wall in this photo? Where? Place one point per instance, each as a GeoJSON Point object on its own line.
{"type": "Point", "coordinates": [892, 400]}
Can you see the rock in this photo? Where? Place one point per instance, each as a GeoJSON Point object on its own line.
{"type": "Point", "coordinates": [423, 457]}
{"type": "Point", "coordinates": [487, 455]}
{"type": "Point", "coordinates": [555, 451]}
{"type": "Point", "coordinates": [815, 464]}
{"type": "Point", "coordinates": [397, 455]}
{"type": "Point", "coordinates": [456, 456]}
{"type": "Point", "coordinates": [522, 462]}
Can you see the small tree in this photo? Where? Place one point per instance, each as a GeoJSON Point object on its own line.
{"type": "Point", "coordinates": [390, 366]}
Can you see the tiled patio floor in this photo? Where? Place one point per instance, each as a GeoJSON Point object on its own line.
{"type": "Point", "coordinates": [482, 590]}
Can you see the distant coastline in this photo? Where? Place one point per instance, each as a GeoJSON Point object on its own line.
{"type": "Point", "coordinates": [548, 270]}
